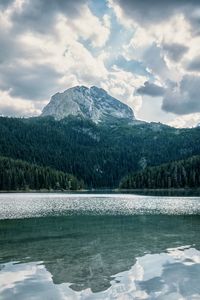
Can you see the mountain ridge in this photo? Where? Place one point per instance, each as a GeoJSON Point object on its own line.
{"type": "Point", "coordinates": [98, 154]}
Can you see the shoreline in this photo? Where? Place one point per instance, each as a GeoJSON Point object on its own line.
{"type": "Point", "coordinates": [115, 190]}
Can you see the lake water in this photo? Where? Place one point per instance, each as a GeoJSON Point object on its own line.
{"type": "Point", "coordinates": [105, 246]}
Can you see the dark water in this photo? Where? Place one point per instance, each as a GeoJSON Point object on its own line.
{"type": "Point", "coordinates": [99, 247]}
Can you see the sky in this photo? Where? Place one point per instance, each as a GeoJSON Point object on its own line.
{"type": "Point", "coordinates": [145, 53]}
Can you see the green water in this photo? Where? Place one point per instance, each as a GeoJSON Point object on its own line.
{"type": "Point", "coordinates": [102, 255]}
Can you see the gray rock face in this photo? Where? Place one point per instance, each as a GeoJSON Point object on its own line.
{"type": "Point", "coordinates": [91, 103]}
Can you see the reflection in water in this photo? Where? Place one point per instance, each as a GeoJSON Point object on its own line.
{"type": "Point", "coordinates": [171, 275]}
{"type": "Point", "coordinates": [100, 257]}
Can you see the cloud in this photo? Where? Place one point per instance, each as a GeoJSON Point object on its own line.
{"type": "Point", "coordinates": [151, 89]}
{"type": "Point", "coordinates": [194, 65]}
{"type": "Point", "coordinates": [122, 85]}
{"type": "Point", "coordinates": [49, 46]}
{"type": "Point", "coordinates": [9, 47]}
{"type": "Point", "coordinates": [190, 120]}
{"type": "Point", "coordinates": [5, 3]}
{"type": "Point", "coordinates": [147, 48]}
{"type": "Point", "coordinates": [175, 51]}
{"type": "Point", "coordinates": [29, 82]}
{"type": "Point", "coordinates": [16, 107]}
{"type": "Point", "coordinates": [89, 27]}
{"type": "Point", "coordinates": [156, 11]}
{"type": "Point", "coordinates": [154, 59]}
{"type": "Point", "coordinates": [165, 40]}
{"type": "Point", "coordinates": [41, 15]}
{"type": "Point", "coordinates": [42, 61]}
{"type": "Point", "coordinates": [184, 98]}
{"type": "Point", "coordinates": [41, 49]}
{"type": "Point", "coordinates": [133, 66]}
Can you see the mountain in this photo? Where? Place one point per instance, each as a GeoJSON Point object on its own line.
{"type": "Point", "coordinates": [90, 103]}
{"type": "Point", "coordinates": [101, 155]}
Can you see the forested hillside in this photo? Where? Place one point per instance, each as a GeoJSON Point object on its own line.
{"type": "Point", "coordinates": [100, 155]}
{"type": "Point", "coordinates": [20, 175]}
{"type": "Point", "coordinates": [178, 174]}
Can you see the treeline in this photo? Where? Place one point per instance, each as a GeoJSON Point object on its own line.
{"type": "Point", "coordinates": [100, 154]}
{"type": "Point", "coordinates": [178, 174]}
{"type": "Point", "coordinates": [20, 175]}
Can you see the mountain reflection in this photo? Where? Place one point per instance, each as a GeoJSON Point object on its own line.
{"type": "Point", "coordinates": [86, 251]}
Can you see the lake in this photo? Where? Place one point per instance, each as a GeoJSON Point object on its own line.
{"type": "Point", "coordinates": [99, 246]}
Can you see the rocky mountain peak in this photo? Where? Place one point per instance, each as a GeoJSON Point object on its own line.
{"type": "Point", "coordinates": [92, 103]}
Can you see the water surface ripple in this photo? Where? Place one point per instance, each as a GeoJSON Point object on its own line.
{"type": "Point", "coordinates": [14, 206]}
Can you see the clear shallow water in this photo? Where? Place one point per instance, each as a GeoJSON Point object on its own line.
{"type": "Point", "coordinates": [99, 247]}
